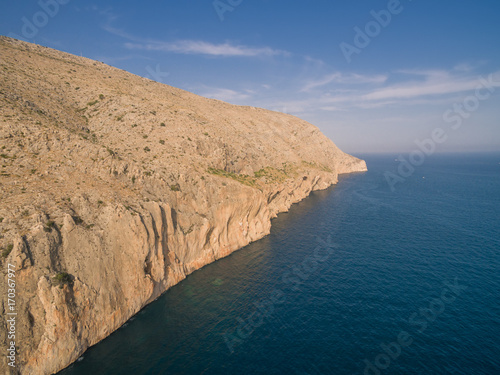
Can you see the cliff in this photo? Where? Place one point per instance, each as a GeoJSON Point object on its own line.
{"type": "Point", "coordinates": [113, 188]}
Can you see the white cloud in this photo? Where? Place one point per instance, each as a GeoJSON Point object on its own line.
{"type": "Point", "coordinates": [226, 95]}
{"type": "Point", "coordinates": [331, 108]}
{"type": "Point", "coordinates": [312, 60]}
{"type": "Point", "coordinates": [204, 48]}
{"type": "Point", "coordinates": [341, 78]}
{"type": "Point", "coordinates": [435, 83]}
{"type": "Point", "coordinates": [197, 47]}
{"type": "Point", "coordinates": [432, 87]}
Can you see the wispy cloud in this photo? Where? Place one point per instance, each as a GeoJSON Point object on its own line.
{"type": "Point", "coordinates": [185, 46]}
{"type": "Point", "coordinates": [312, 60]}
{"type": "Point", "coordinates": [224, 94]}
{"type": "Point", "coordinates": [109, 19]}
{"type": "Point", "coordinates": [435, 83]}
{"type": "Point", "coordinates": [205, 48]}
{"type": "Point", "coordinates": [338, 77]}
{"type": "Point", "coordinates": [412, 87]}
{"type": "Point", "coordinates": [318, 87]}
{"type": "Point", "coordinates": [401, 89]}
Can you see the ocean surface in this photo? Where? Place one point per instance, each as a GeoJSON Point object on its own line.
{"type": "Point", "coordinates": [356, 279]}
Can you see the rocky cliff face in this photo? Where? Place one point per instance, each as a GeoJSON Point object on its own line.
{"type": "Point", "coordinates": [115, 187]}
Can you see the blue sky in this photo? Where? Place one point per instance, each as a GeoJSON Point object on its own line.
{"type": "Point", "coordinates": [374, 76]}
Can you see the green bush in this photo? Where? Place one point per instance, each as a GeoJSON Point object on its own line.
{"type": "Point", "coordinates": [49, 225]}
{"type": "Point", "coordinates": [77, 219]}
{"type": "Point", "coordinates": [61, 279]}
{"type": "Point", "coordinates": [7, 250]}
{"type": "Point", "coordinates": [241, 178]}
{"type": "Point", "coordinates": [271, 174]}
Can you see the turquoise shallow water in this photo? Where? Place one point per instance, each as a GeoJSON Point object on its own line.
{"type": "Point", "coordinates": [355, 279]}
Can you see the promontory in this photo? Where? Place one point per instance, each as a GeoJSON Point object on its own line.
{"type": "Point", "coordinates": [114, 188]}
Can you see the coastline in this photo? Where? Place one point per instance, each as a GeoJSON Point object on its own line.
{"type": "Point", "coordinates": [125, 193]}
{"type": "Point", "coordinates": [299, 193]}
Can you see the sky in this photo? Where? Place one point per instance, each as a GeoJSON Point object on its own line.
{"type": "Point", "coordinates": [374, 76]}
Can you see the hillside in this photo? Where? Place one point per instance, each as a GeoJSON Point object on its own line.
{"type": "Point", "coordinates": [115, 187]}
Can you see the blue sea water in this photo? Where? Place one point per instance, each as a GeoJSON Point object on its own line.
{"type": "Point", "coordinates": [356, 279]}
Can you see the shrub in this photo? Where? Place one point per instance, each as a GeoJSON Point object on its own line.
{"type": "Point", "coordinates": [77, 219]}
{"type": "Point", "coordinates": [189, 230]}
{"type": "Point", "coordinates": [7, 250]}
{"type": "Point", "coordinates": [241, 178]}
{"type": "Point", "coordinates": [175, 187]}
{"type": "Point", "coordinates": [92, 103]}
{"type": "Point", "coordinates": [271, 174]}
{"type": "Point", "coordinates": [49, 225]}
{"type": "Point", "coordinates": [61, 279]}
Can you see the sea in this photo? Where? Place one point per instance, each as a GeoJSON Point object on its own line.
{"type": "Point", "coordinates": [391, 271]}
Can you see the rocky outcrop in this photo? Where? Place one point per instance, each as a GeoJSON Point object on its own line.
{"type": "Point", "coordinates": [115, 188]}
